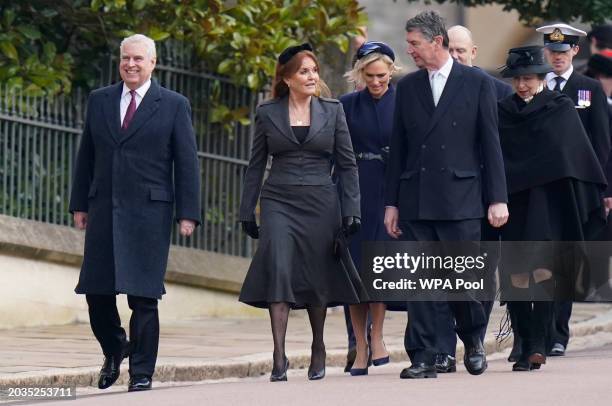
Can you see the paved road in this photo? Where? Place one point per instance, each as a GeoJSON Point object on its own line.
{"type": "Point", "coordinates": [581, 378]}
{"type": "Point", "coordinates": [40, 349]}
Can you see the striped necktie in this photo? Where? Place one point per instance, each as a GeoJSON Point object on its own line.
{"type": "Point", "coordinates": [129, 114]}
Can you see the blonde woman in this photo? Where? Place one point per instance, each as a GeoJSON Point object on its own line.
{"type": "Point", "coordinates": [369, 114]}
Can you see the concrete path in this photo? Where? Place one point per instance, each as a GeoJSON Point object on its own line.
{"type": "Point", "coordinates": [580, 378]}
{"type": "Point", "coordinates": [215, 348]}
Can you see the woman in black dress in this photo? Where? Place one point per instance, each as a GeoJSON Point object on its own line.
{"type": "Point", "coordinates": [554, 189]}
{"type": "Point", "coordinates": [302, 210]}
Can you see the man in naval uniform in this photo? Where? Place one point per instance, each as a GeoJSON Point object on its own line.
{"type": "Point", "coordinates": [561, 46]}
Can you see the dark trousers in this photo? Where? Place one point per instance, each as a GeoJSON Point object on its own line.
{"type": "Point", "coordinates": [445, 323]}
{"type": "Point", "coordinates": [144, 330]}
{"type": "Point", "coordinates": [559, 332]}
{"type": "Point", "coordinates": [445, 326]}
{"type": "Point", "coordinates": [421, 340]}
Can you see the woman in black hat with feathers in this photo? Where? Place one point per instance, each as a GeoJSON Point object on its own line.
{"type": "Point", "coordinates": [554, 188]}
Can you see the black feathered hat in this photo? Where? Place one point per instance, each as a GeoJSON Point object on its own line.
{"type": "Point", "coordinates": [524, 61]}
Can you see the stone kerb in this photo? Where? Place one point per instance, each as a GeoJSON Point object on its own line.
{"type": "Point", "coordinates": [64, 245]}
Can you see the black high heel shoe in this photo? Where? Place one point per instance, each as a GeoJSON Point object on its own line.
{"type": "Point", "coordinates": [362, 371]}
{"type": "Point", "coordinates": [282, 375]}
{"type": "Point", "coordinates": [381, 361]}
{"type": "Point", "coordinates": [319, 374]}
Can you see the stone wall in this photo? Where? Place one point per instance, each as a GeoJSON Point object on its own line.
{"type": "Point", "coordinates": [39, 267]}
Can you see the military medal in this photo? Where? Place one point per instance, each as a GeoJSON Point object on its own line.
{"type": "Point", "coordinates": [584, 98]}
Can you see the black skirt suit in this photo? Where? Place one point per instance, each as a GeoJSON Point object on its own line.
{"type": "Point", "coordinates": [301, 207]}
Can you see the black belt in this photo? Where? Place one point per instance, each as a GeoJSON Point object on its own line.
{"type": "Point", "coordinates": [368, 156]}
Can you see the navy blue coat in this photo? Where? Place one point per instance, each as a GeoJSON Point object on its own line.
{"type": "Point", "coordinates": [502, 89]}
{"type": "Point", "coordinates": [446, 161]}
{"type": "Point", "coordinates": [124, 181]}
{"type": "Point", "coordinates": [370, 123]}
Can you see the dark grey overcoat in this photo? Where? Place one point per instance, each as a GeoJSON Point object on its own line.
{"type": "Point", "coordinates": [129, 183]}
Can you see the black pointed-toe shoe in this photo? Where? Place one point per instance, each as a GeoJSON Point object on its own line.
{"type": "Point", "coordinates": [359, 371]}
{"type": "Point", "coordinates": [316, 375]}
{"type": "Point", "coordinates": [379, 361]}
{"type": "Point", "coordinates": [111, 368]}
{"type": "Point", "coordinates": [140, 383]}
{"type": "Point", "coordinates": [419, 370]}
{"type": "Point", "coordinates": [280, 376]}
{"type": "Point", "coordinates": [475, 359]}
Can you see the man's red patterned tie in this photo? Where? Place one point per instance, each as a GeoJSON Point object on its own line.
{"type": "Point", "coordinates": [129, 114]}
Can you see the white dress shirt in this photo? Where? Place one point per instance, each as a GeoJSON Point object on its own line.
{"type": "Point", "coordinates": [126, 97]}
{"type": "Point", "coordinates": [550, 78]}
{"type": "Point", "coordinates": [438, 78]}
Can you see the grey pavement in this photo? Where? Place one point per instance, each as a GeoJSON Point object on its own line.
{"type": "Point", "coordinates": [580, 378]}
{"type": "Point", "coordinates": [216, 348]}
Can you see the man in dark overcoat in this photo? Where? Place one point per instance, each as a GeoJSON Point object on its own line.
{"type": "Point", "coordinates": [463, 50]}
{"type": "Point", "coordinates": [445, 172]}
{"type": "Point", "coordinates": [137, 162]}
{"type": "Point", "coordinates": [561, 46]}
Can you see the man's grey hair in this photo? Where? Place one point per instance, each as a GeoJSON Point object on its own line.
{"type": "Point", "coordinates": [430, 24]}
{"type": "Point", "coordinates": [142, 39]}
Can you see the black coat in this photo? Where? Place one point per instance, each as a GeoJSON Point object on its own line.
{"type": "Point", "coordinates": [594, 118]}
{"type": "Point", "coordinates": [502, 89]}
{"type": "Point", "coordinates": [553, 175]}
{"type": "Point", "coordinates": [124, 181]}
{"type": "Point", "coordinates": [442, 156]}
{"type": "Point", "coordinates": [554, 188]}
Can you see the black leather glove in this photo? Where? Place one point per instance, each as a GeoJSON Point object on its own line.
{"type": "Point", "coordinates": [351, 225]}
{"type": "Point", "coordinates": [250, 228]}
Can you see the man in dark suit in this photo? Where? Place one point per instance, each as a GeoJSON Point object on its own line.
{"type": "Point", "coordinates": [561, 45]}
{"type": "Point", "coordinates": [137, 161]}
{"type": "Point", "coordinates": [445, 170]}
{"type": "Point", "coordinates": [463, 50]}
